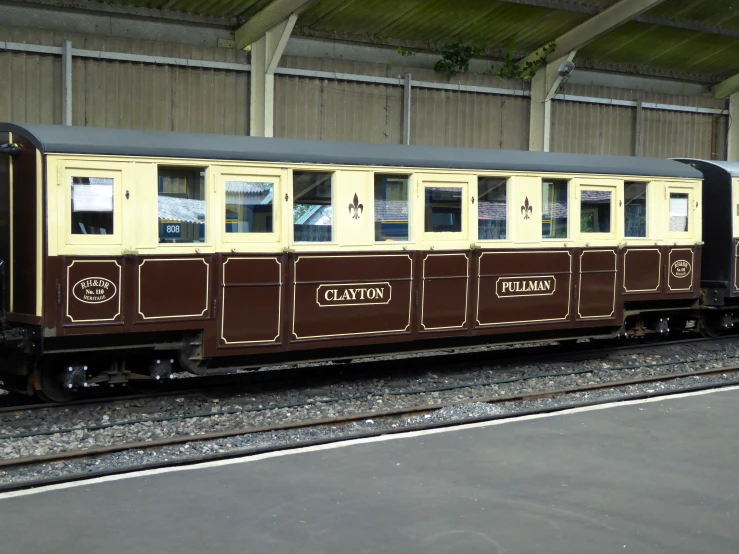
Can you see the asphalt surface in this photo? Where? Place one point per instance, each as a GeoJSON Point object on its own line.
{"type": "Point", "coordinates": [651, 477]}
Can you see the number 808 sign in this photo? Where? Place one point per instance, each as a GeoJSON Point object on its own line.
{"type": "Point", "coordinates": [170, 230]}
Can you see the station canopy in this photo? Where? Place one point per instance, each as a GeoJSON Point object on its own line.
{"type": "Point", "coordinates": [692, 40]}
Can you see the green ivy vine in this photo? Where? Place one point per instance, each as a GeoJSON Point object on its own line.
{"type": "Point", "coordinates": [526, 71]}
{"type": "Point", "coordinates": [456, 58]}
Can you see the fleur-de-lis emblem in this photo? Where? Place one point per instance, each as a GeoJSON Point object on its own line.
{"type": "Point", "coordinates": [356, 207]}
{"type": "Point", "coordinates": [527, 209]}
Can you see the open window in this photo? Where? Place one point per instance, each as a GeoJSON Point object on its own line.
{"type": "Point", "coordinates": [555, 209]}
{"type": "Point", "coordinates": [182, 205]}
{"type": "Point", "coordinates": [392, 207]}
{"type": "Point", "coordinates": [313, 214]}
{"type": "Point", "coordinates": [492, 208]}
{"type": "Point", "coordinates": [635, 209]}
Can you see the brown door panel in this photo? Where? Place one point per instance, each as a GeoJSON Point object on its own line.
{"type": "Point", "coordinates": [445, 291]}
{"type": "Point", "coordinates": [173, 289]}
{"type": "Point", "coordinates": [523, 287]}
{"type": "Point", "coordinates": [251, 301]}
{"type": "Point", "coordinates": [642, 272]}
{"type": "Point", "coordinates": [596, 285]}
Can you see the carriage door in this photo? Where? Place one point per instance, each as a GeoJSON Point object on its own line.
{"type": "Point", "coordinates": [680, 256]}
{"type": "Point", "coordinates": [597, 255]}
{"type": "Point", "coordinates": [252, 273]}
{"type": "Point", "coordinates": [443, 209]}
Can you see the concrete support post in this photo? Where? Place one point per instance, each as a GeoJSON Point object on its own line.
{"type": "Point", "coordinates": [407, 109]}
{"type": "Point", "coordinates": [538, 136]}
{"type": "Point", "coordinates": [732, 150]}
{"type": "Point", "coordinates": [67, 82]}
{"type": "Point", "coordinates": [544, 87]}
{"type": "Point", "coordinates": [265, 56]}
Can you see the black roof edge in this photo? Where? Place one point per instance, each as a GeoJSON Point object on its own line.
{"type": "Point", "coordinates": [732, 168]}
{"type": "Point", "coordinates": [60, 139]}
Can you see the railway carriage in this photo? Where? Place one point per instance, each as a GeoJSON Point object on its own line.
{"type": "Point", "coordinates": [132, 252]}
{"type": "Point", "coordinates": [720, 267]}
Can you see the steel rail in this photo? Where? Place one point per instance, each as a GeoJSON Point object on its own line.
{"type": "Point", "coordinates": [383, 414]}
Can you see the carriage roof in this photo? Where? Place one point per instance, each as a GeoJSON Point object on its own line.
{"type": "Point", "coordinates": [59, 139]}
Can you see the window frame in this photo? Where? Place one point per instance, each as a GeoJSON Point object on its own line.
{"type": "Point", "coordinates": [82, 168]}
{"type": "Point", "coordinates": [276, 177]}
{"type": "Point", "coordinates": [680, 189]}
{"type": "Point", "coordinates": [507, 179]}
{"type": "Point", "coordinates": [451, 181]}
{"type": "Point", "coordinates": [595, 186]}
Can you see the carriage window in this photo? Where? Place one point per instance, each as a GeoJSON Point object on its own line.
{"type": "Point", "coordinates": [443, 210]}
{"type": "Point", "coordinates": [182, 209]}
{"type": "Point", "coordinates": [391, 207]}
{"type": "Point", "coordinates": [595, 211]}
{"type": "Point", "coordinates": [92, 206]}
{"type": "Point", "coordinates": [312, 206]}
{"type": "Point", "coordinates": [635, 210]}
{"type": "Point", "coordinates": [249, 207]}
{"type": "Point", "coordinates": [679, 212]}
{"type": "Point", "coordinates": [554, 209]}
{"type": "Point", "coordinates": [492, 214]}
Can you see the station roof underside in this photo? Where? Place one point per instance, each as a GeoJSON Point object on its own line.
{"type": "Point", "coordinates": [685, 39]}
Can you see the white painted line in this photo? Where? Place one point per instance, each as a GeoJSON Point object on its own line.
{"type": "Point", "coordinates": [353, 442]}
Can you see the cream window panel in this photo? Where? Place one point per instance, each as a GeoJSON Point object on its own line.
{"type": "Point", "coordinates": [524, 209]}
{"type": "Point", "coordinates": [172, 193]}
{"type": "Point", "coordinates": [354, 209]}
{"type": "Point", "coordinates": [443, 211]}
{"type": "Point", "coordinates": [595, 212]}
{"type": "Point", "coordinates": [251, 208]}
{"type": "Point", "coordinates": [92, 207]}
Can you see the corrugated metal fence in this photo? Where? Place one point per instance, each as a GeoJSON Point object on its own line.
{"type": "Point", "coordinates": [131, 94]}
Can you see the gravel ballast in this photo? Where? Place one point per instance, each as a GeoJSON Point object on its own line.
{"type": "Point", "coordinates": [164, 418]}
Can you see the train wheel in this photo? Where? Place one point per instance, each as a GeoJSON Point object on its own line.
{"type": "Point", "coordinates": [711, 325]}
{"type": "Point", "coordinates": [48, 384]}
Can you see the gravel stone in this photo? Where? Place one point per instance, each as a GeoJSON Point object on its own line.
{"type": "Point", "coordinates": [25, 433]}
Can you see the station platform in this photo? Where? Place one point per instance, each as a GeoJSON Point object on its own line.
{"type": "Point", "coordinates": [656, 476]}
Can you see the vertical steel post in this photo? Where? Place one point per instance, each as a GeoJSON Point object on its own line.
{"type": "Point", "coordinates": [407, 109]}
{"type": "Point", "coordinates": [639, 129]}
{"type": "Point", "coordinates": [67, 82]}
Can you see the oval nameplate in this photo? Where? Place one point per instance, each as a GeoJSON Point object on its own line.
{"type": "Point", "coordinates": [94, 290]}
{"type": "Point", "coordinates": [680, 269]}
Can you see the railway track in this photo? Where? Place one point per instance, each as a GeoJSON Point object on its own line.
{"type": "Point", "coordinates": [729, 374]}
